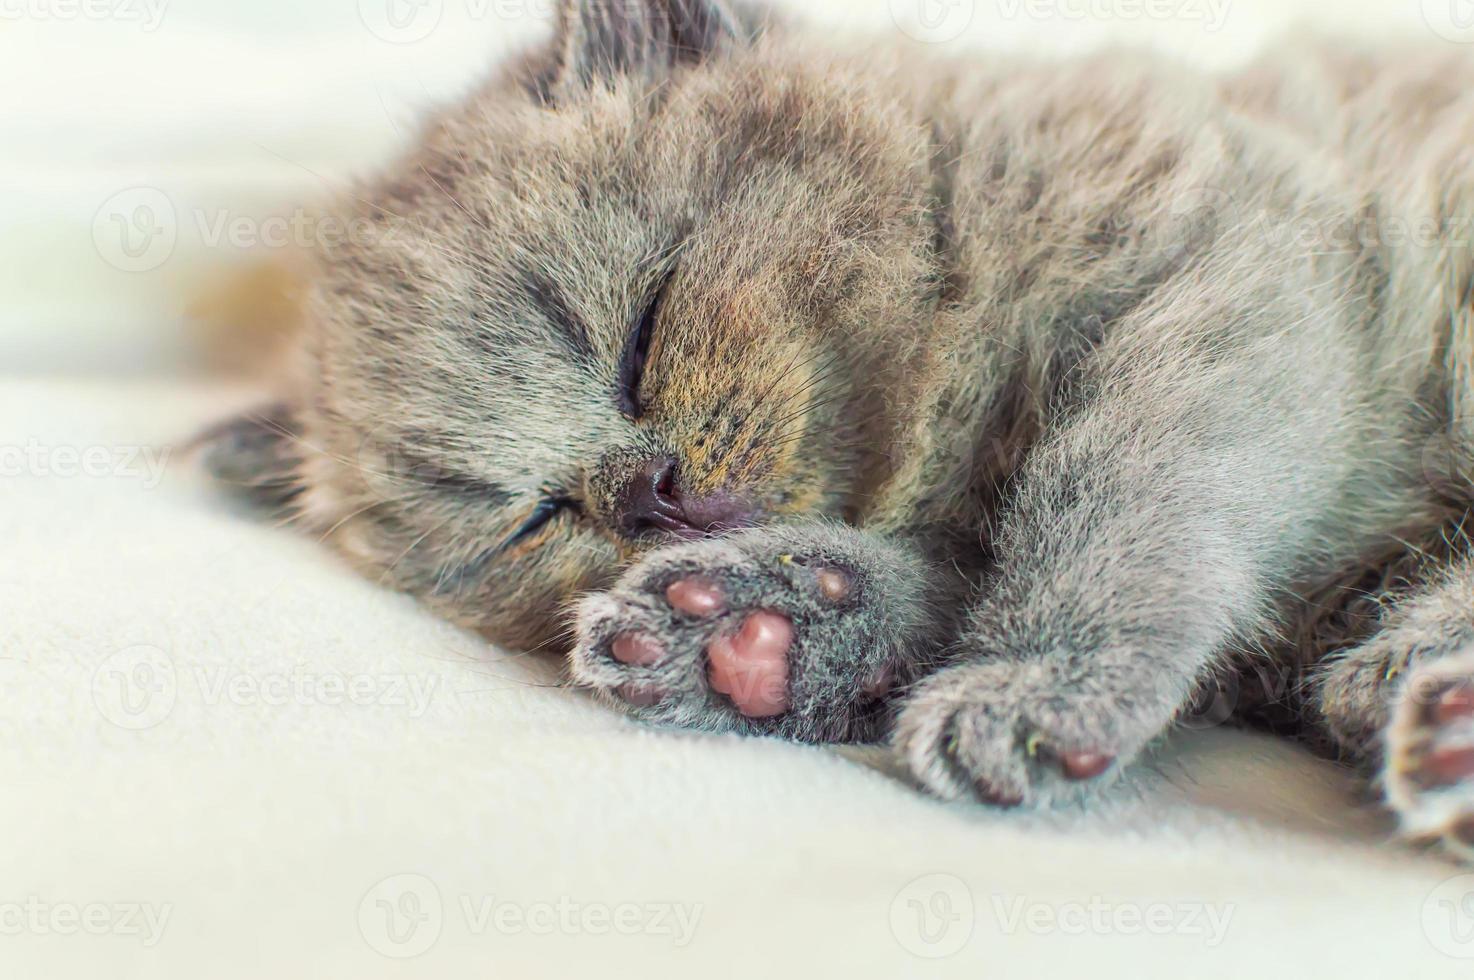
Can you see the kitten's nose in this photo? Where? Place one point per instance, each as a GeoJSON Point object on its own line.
{"type": "Point", "coordinates": [650, 502]}
{"type": "Point", "coordinates": [653, 502]}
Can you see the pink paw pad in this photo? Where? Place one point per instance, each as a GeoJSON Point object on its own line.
{"type": "Point", "coordinates": [637, 650]}
{"type": "Point", "coordinates": [696, 597]}
{"type": "Point", "coordinates": [835, 584]}
{"type": "Point", "coordinates": [751, 667]}
{"type": "Point", "coordinates": [1081, 766]}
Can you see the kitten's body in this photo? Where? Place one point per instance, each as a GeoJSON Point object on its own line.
{"type": "Point", "coordinates": [1051, 390]}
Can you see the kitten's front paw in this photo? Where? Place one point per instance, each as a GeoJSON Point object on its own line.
{"type": "Point", "coordinates": [1009, 734]}
{"type": "Point", "coordinates": [1428, 775]}
{"type": "Point", "coordinates": [755, 632]}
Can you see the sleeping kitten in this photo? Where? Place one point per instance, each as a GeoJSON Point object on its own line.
{"type": "Point", "coordinates": [998, 408]}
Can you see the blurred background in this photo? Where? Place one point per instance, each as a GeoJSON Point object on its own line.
{"type": "Point", "coordinates": [156, 155]}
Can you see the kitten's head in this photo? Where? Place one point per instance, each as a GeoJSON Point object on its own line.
{"type": "Point", "coordinates": [663, 281]}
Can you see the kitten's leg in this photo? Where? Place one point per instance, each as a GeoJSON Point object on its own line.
{"type": "Point", "coordinates": [799, 630]}
{"type": "Point", "coordinates": [1150, 530]}
{"type": "Point", "coordinates": [1402, 704]}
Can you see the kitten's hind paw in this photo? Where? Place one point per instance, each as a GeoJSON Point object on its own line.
{"type": "Point", "coordinates": [1006, 734]}
{"type": "Point", "coordinates": [1428, 775]}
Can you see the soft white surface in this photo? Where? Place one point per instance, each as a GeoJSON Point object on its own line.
{"type": "Point", "coordinates": [264, 815]}
{"type": "Point", "coordinates": [238, 788]}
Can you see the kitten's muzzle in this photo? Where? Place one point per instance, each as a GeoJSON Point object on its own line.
{"type": "Point", "coordinates": [654, 503]}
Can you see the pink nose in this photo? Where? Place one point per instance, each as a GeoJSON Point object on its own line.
{"type": "Point", "coordinates": [653, 503]}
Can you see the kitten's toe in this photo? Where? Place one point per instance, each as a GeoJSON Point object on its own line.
{"type": "Point", "coordinates": [637, 650]}
{"type": "Point", "coordinates": [614, 652]}
{"type": "Point", "coordinates": [1429, 770]}
{"type": "Point", "coordinates": [948, 749]}
{"type": "Point", "coordinates": [697, 597]}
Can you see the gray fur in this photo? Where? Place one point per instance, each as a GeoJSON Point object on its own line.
{"type": "Point", "coordinates": [1091, 370]}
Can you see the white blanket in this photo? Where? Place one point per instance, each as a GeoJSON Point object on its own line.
{"type": "Point", "coordinates": [229, 757]}
{"type": "Point", "coordinates": [225, 756]}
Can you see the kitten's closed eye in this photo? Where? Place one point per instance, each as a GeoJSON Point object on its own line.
{"type": "Point", "coordinates": [546, 511]}
{"type": "Point", "coordinates": [414, 469]}
{"type": "Point", "coordinates": [636, 354]}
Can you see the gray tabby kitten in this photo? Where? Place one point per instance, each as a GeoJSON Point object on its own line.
{"type": "Point", "coordinates": [1002, 409]}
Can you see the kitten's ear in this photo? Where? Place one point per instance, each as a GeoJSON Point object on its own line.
{"type": "Point", "coordinates": [256, 457]}
{"type": "Point", "coordinates": [599, 40]}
